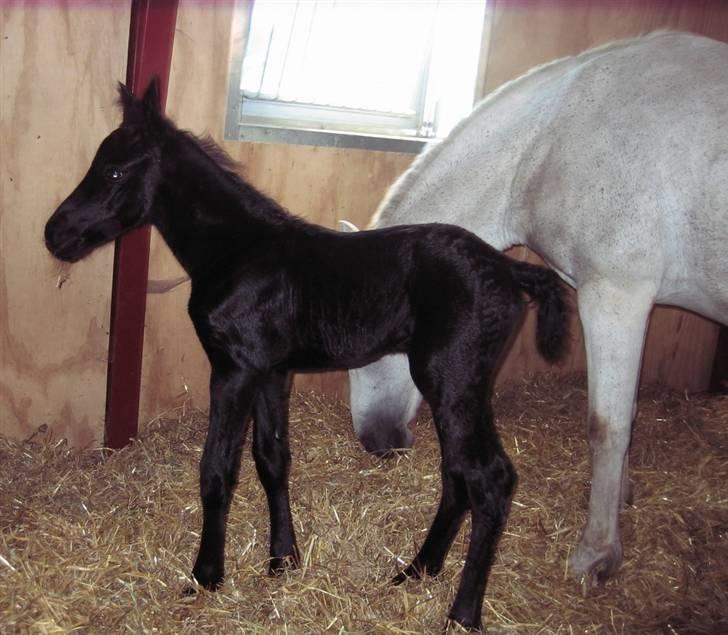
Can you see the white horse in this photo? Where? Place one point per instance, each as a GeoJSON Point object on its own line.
{"type": "Point", "coordinates": [613, 166]}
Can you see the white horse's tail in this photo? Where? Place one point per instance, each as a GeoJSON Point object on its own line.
{"type": "Point", "coordinates": [552, 319]}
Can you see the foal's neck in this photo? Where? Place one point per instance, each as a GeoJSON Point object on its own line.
{"type": "Point", "coordinates": [207, 214]}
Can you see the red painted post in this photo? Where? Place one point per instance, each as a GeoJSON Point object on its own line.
{"type": "Point", "coordinates": [151, 35]}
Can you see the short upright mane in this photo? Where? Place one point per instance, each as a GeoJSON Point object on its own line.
{"type": "Point", "coordinates": [402, 185]}
{"type": "Point", "coordinates": [217, 154]}
{"type": "Point", "coordinates": [274, 212]}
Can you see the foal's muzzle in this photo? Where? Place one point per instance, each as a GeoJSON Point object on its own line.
{"type": "Point", "coordinates": [63, 241]}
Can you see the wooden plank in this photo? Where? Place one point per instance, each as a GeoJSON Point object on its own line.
{"type": "Point", "coordinates": [719, 373]}
{"type": "Point", "coordinates": [59, 64]}
{"type": "Point", "coordinates": [527, 33]}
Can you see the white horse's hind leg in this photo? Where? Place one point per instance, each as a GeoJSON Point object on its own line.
{"type": "Point", "coordinates": [614, 322]}
{"type": "Point", "coordinates": [384, 399]}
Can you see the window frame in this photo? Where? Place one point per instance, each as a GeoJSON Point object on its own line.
{"type": "Point", "coordinates": [296, 132]}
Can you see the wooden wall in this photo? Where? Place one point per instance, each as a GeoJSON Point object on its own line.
{"type": "Point", "coordinates": [57, 102]}
{"type": "Point", "coordinates": [326, 184]}
{"type": "Point", "coordinates": [58, 70]}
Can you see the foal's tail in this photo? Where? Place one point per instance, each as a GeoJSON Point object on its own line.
{"type": "Point", "coordinates": [552, 321]}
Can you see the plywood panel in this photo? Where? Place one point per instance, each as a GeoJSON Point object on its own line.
{"type": "Point", "coordinates": [58, 70]}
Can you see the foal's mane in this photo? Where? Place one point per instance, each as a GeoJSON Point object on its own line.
{"type": "Point", "coordinates": [231, 169]}
{"type": "Point", "coordinates": [401, 186]}
{"type": "Point", "coordinates": [216, 153]}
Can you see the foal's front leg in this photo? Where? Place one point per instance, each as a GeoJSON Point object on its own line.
{"type": "Point", "coordinates": [232, 392]}
{"type": "Point", "coordinates": [272, 459]}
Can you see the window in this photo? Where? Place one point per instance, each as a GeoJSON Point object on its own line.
{"type": "Point", "coordinates": [355, 73]}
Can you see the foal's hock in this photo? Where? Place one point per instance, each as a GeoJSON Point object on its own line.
{"type": "Point", "coordinates": [272, 294]}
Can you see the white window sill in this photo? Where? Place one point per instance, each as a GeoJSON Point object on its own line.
{"type": "Point", "coordinates": [326, 138]}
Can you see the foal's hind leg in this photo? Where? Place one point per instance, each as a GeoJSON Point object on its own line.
{"type": "Point", "coordinates": [614, 322]}
{"type": "Point", "coordinates": [476, 474]}
{"type": "Point", "coordinates": [489, 480]}
{"type": "Point", "coordinates": [272, 460]}
{"type": "Point", "coordinates": [444, 528]}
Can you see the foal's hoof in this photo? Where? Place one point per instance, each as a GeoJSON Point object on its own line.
{"type": "Point", "coordinates": [191, 590]}
{"type": "Point", "coordinates": [400, 578]}
{"type": "Point", "coordinates": [278, 566]}
{"type": "Point", "coordinates": [455, 625]}
{"type": "Point", "coordinates": [593, 565]}
{"type": "Point", "coordinates": [210, 578]}
{"type": "Point", "coordinates": [410, 573]}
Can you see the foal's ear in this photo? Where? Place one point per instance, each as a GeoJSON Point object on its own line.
{"type": "Point", "coordinates": [126, 98]}
{"type": "Point", "coordinates": [140, 111]}
{"type": "Point", "coordinates": [151, 98]}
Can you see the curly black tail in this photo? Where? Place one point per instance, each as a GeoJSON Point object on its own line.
{"type": "Point", "coordinates": [552, 323]}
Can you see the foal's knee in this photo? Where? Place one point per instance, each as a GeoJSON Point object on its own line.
{"type": "Point", "coordinates": [503, 475]}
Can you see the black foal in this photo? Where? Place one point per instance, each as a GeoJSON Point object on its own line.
{"type": "Point", "coordinates": [272, 294]}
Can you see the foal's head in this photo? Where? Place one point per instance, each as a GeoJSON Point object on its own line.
{"type": "Point", "coordinates": [117, 193]}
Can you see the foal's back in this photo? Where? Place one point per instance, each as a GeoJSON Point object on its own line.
{"type": "Point", "coordinates": [356, 296]}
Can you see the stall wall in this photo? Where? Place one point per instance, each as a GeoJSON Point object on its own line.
{"type": "Point", "coordinates": [326, 184]}
{"type": "Point", "coordinates": [57, 102]}
{"type": "Point", "coordinates": [59, 65]}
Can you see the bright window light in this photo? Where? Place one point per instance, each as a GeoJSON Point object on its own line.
{"type": "Point", "coordinates": [404, 68]}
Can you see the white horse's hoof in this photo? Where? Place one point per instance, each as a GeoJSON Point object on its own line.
{"type": "Point", "coordinates": [595, 564]}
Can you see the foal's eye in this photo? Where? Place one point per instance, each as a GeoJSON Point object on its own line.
{"type": "Point", "coordinates": [113, 174]}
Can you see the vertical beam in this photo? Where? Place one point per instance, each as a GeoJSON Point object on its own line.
{"type": "Point", "coordinates": [151, 35]}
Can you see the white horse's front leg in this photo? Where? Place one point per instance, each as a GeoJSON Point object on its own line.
{"type": "Point", "coordinates": [384, 400]}
{"type": "Point", "coordinates": [614, 322]}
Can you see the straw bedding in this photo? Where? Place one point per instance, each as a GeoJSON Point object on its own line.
{"type": "Point", "coordinates": [92, 543]}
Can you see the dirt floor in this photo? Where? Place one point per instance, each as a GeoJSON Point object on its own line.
{"type": "Point", "coordinates": [91, 543]}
